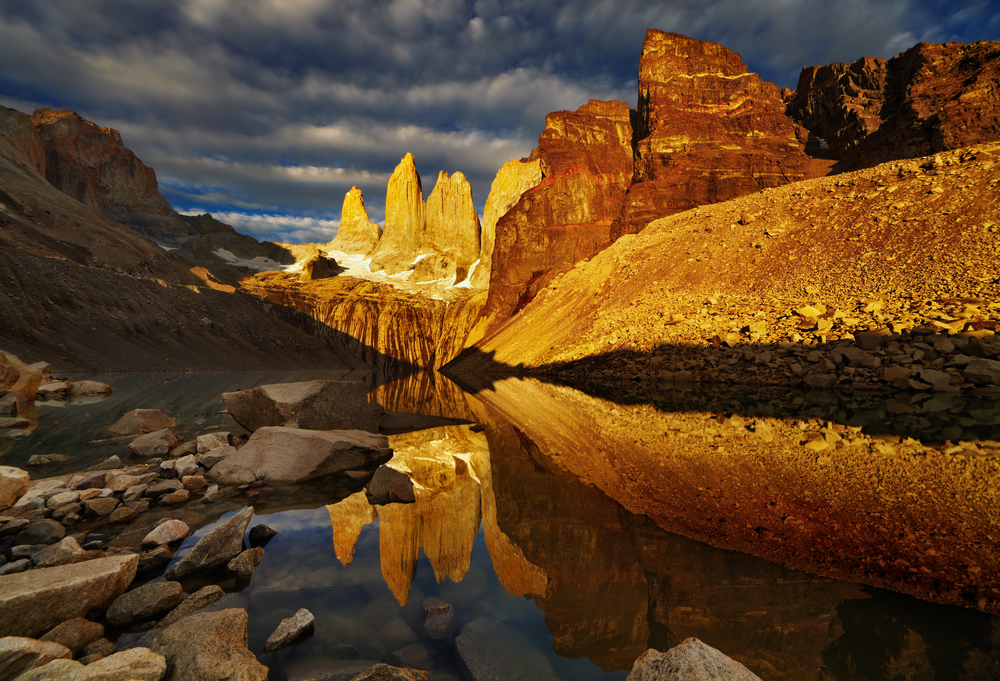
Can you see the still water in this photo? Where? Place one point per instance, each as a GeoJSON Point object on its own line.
{"type": "Point", "coordinates": [533, 523]}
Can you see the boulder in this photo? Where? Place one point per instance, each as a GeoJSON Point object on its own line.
{"type": "Point", "coordinates": [64, 552]}
{"type": "Point", "coordinates": [18, 655]}
{"type": "Point", "coordinates": [78, 388]}
{"type": "Point", "coordinates": [243, 565]}
{"type": "Point", "coordinates": [35, 601]}
{"type": "Point", "coordinates": [145, 602]}
{"type": "Point", "coordinates": [286, 455]}
{"type": "Point", "coordinates": [75, 633]}
{"type": "Point", "coordinates": [356, 233]}
{"type": "Point", "coordinates": [18, 377]}
{"type": "Point", "coordinates": [215, 549]}
{"type": "Point", "coordinates": [13, 485]}
{"type": "Point", "coordinates": [692, 660]}
{"type": "Point", "coordinates": [209, 646]}
{"type": "Point", "coordinates": [157, 443]}
{"type": "Point", "coordinates": [210, 441]}
{"type": "Point", "coordinates": [389, 486]}
{"type": "Point", "coordinates": [311, 405]}
{"type": "Point", "coordinates": [260, 535]}
{"type": "Point", "coordinates": [438, 618]}
{"type": "Point", "coordinates": [40, 532]}
{"type": "Point", "coordinates": [319, 267]}
{"type": "Point", "coordinates": [201, 598]}
{"type": "Point", "coordinates": [134, 664]}
{"type": "Point", "coordinates": [139, 421]}
{"type": "Point", "coordinates": [290, 630]}
{"type": "Point", "coordinates": [186, 465]}
{"type": "Point", "coordinates": [983, 371]}
{"type": "Point", "coordinates": [167, 533]}
{"type": "Point", "coordinates": [489, 650]}
{"type": "Point", "coordinates": [100, 506]}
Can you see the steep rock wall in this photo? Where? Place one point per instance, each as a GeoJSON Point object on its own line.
{"type": "Point", "coordinates": [356, 233]}
{"type": "Point", "coordinates": [404, 220]}
{"type": "Point", "coordinates": [452, 228]}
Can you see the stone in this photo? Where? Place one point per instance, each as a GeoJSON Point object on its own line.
{"type": "Point", "coordinates": [101, 646]}
{"type": "Point", "coordinates": [210, 459]}
{"type": "Point", "coordinates": [155, 558]}
{"type": "Point", "coordinates": [134, 664]}
{"type": "Point", "coordinates": [242, 566]}
{"type": "Point", "coordinates": [36, 601]}
{"type": "Point", "coordinates": [16, 566]}
{"type": "Point", "coordinates": [290, 630]}
{"type": "Point", "coordinates": [404, 220]}
{"type": "Point", "coordinates": [80, 388]}
{"type": "Point", "coordinates": [14, 526]}
{"type": "Point", "coordinates": [139, 421]}
{"type": "Point", "coordinates": [13, 485]}
{"type": "Point", "coordinates": [109, 463]}
{"type": "Point", "coordinates": [489, 650]}
{"type": "Point", "coordinates": [186, 465]}
{"type": "Point", "coordinates": [356, 234]}
{"type": "Point", "coordinates": [75, 633]}
{"type": "Point", "coordinates": [157, 443]}
{"type": "Point", "coordinates": [386, 672]}
{"type": "Point", "coordinates": [389, 486]}
{"type": "Point", "coordinates": [40, 532]}
{"type": "Point", "coordinates": [56, 670]}
{"type": "Point", "coordinates": [134, 493]}
{"type": "Point", "coordinates": [414, 656]}
{"type": "Point", "coordinates": [260, 535]}
{"type": "Point", "coordinates": [310, 405]}
{"type": "Point", "coordinates": [63, 498]}
{"type": "Point", "coordinates": [820, 381]}
{"type": "Point", "coordinates": [438, 620]}
{"type": "Point", "coordinates": [210, 441]}
{"type": "Point", "coordinates": [64, 552]}
{"type": "Point", "coordinates": [983, 371]}
{"type": "Point", "coordinates": [319, 267]}
{"type": "Point", "coordinates": [101, 506]}
{"type": "Point", "coordinates": [209, 646]}
{"type": "Point", "coordinates": [176, 497]}
{"type": "Point", "coordinates": [869, 340]}
{"type": "Point", "coordinates": [121, 482]}
{"type": "Point", "coordinates": [161, 487]}
{"type": "Point", "coordinates": [205, 596]}
{"type": "Point", "coordinates": [184, 448]}
{"type": "Point", "coordinates": [11, 403]}
{"type": "Point", "coordinates": [304, 455]}
{"type": "Point", "coordinates": [167, 533]}
{"type": "Point", "coordinates": [215, 549]}
{"type": "Point", "coordinates": [18, 377]}
{"type": "Point", "coordinates": [193, 482]}
{"type": "Point", "coordinates": [692, 660]}
{"type": "Point", "coordinates": [122, 514]}
{"type": "Point", "coordinates": [145, 602]}
{"type": "Point", "coordinates": [451, 229]}
{"type": "Point", "coordinates": [46, 459]}
{"type": "Point", "coordinates": [19, 654]}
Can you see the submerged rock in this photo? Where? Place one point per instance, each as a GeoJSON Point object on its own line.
{"type": "Point", "coordinates": [139, 421]}
{"type": "Point", "coordinates": [290, 630]}
{"type": "Point", "coordinates": [389, 486]}
{"type": "Point", "coordinates": [489, 650]}
{"type": "Point", "coordinates": [692, 660]}
{"type": "Point", "coordinates": [311, 405]}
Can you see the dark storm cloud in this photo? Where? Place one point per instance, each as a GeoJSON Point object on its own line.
{"type": "Point", "coordinates": [279, 106]}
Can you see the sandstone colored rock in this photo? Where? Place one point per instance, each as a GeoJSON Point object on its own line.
{"type": "Point", "coordinates": [210, 441]}
{"type": "Point", "coordinates": [139, 421]}
{"type": "Point", "coordinates": [315, 405]}
{"type": "Point", "coordinates": [290, 630]}
{"type": "Point", "coordinates": [75, 633]}
{"type": "Point", "coordinates": [286, 455]}
{"type": "Point", "coordinates": [243, 565]}
{"type": "Point", "coordinates": [386, 672]}
{"type": "Point", "coordinates": [211, 646]}
{"type": "Point", "coordinates": [511, 181]}
{"type": "Point", "coordinates": [13, 484]}
{"type": "Point", "coordinates": [18, 377]}
{"type": "Point", "coordinates": [692, 660]}
{"type": "Point", "coordinates": [134, 664]}
{"type": "Point", "coordinates": [586, 159]}
{"type": "Point", "coordinates": [452, 224]}
{"type": "Point", "coordinates": [145, 602]}
{"type": "Point", "coordinates": [37, 600]}
{"type": "Point", "coordinates": [356, 233]}
{"type": "Point", "coordinates": [157, 443]}
{"type": "Point", "coordinates": [319, 267]}
{"type": "Point", "coordinates": [215, 549]}
{"type": "Point", "coordinates": [931, 98]}
{"type": "Point", "coordinates": [201, 598]}
{"type": "Point", "coordinates": [404, 220]}
{"type": "Point", "coordinates": [64, 552]}
{"type": "Point", "coordinates": [167, 533]}
{"type": "Point", "coordinates": [706, 131]}
{"type": "Point", "coordinates": [389, 486]}
{"type": "Point", "coordinates": [19, 654]}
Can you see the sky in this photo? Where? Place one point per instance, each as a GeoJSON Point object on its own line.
{"type": "Point", "coordinates": [265, 112]}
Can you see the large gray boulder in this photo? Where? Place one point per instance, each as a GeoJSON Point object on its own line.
{"type": "Point", "coordinates": [489, 650]}
{"type": "Point", "coordinates": [215, 549]}
{"type": "Point", "coordinates": [692, 660]}
{"type": "Point", "coordinates": [145, 602]}
{"type": "Point", "coordinates": [287, 455]}
{"type": "Point", "coordinates": [312, 405]}
{"type": "Point", "coordinates": [209, 646]}
{"type": "Point", "coordinates": [35, 601]}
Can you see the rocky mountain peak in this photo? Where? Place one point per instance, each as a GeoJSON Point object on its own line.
{"type": "Point", "coordinates": [452, 226]}
{"type": "Point", "coordinates": [404, 220]}
{"type": "Point", "coordinates": [356, 233]}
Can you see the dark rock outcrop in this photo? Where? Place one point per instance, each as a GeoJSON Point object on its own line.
{"type": "Point", "coordinates": [933, 97]}
{"type": "Point", "coordinates": [312, 405]}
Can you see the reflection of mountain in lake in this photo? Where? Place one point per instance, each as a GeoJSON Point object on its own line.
{"type": "Point", "coordinates": [806, 493]}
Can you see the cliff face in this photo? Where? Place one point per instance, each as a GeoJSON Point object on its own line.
{"type": "Point", "coordinates": [404, 220]}
{"type": "Point", "coordinates": [452, 228]}
{"type": "Point", "coordinates": [585, 157]}
{"type": "Point", "coordinates": [931, 98]}
{"type": "Point", "coordinates": [707, 130]}
{"type": "Point", "coordinates": [512, 180]}
{"type": "Point", "coordinates": [356, 233]}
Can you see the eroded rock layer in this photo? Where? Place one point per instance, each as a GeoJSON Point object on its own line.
{"type": "Point", "coordinates": [931, 98]}
{"type": "Point", "coordinates": [707, 130]}
{"type": "Point", "coordinates": [356, 233]}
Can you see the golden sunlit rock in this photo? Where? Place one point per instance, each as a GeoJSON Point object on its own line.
{"type": "Point", "coordinates": [356, 233]}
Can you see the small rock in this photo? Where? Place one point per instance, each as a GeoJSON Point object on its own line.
{"type": "Point", "coordinates": [692, 660]}
{"type": "Point", "coordinates": [209, 646]}
{"type": "Point", "coordinates": [111, 462]}
{"type": "Point", "coordinates": [167, 533]}
{"type": "Point", "coordinates": [78, 388]}
{"type": "Point", "coordinates": [386, 672]}
{"type": "Point", "coordinates": [242, 566]}
{"type": "Point", "coordinates": [122, 514]}
{"type": "Point", "coordinates": [175, 497]}
{"type": "Point", "coordinates": [134, 493]}
{"type": "Point", "coordinates": [389, 486]}
{"type": "Point", "coordinates": [62, 498]}
{"type": "Point", "coordinates": [193, 482]}
{"type": "Point", "coordinates": [64, 552]}
{"type": "Point", "coordinates": [101, 646]}
{"type": "Point", "coordinates": [18, 655]}
{"type": "Point", "coordinates": [186, 465]}
{"type": "Point", "coordinates": [40, 532]}
{"type": "Point", "coordinates": [15, 566]}
{"type": "Point", "coordinates": [13, 485]}
{"type": "Point", "coordinates": [154, 559]}
{"type": "Point", "coordinates": [75, 633]}
{"type": "Point", "coordinates": [145, 602]}
{"type": "Point", "coordinates": [47, 459]}
{"type": "Point", "coordinates": [100, 506]}
{"type": "Point", "coordinates": [215, 549]}
{"type": "Point", "coordinates": [163, 487]}
{"type": "Point", "coordinates": [438, 620]}
{"type": "Point", "coordinates": [291, 630]}
{"type": "Point", "coordinates": [210, 441]}
{"type": "Point", "coordinates": [260, 535]}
